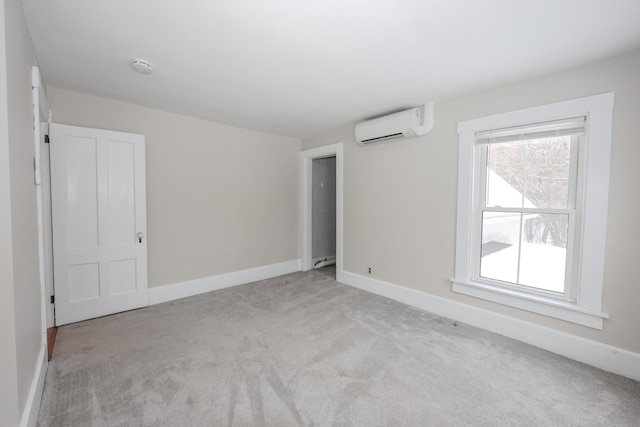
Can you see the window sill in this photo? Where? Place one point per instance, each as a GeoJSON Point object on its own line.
{"type": "Point", "coordinates": [537, 304]}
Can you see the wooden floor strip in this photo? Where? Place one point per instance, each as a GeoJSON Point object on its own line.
{"type": "Point", "coordinates": [51, 339]}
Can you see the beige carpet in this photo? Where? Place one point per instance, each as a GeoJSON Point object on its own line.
{"type": "Point", "coordinates": [303, 349]}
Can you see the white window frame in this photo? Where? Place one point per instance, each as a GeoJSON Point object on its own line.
{"type": "Point", "coordinates": [573, 215]}
{"type": "Point", "coordinates": [585, 308]}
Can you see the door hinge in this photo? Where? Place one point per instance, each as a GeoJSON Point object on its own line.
{"type": "Point", "coordinates": [52, 298]}
{"type": "Point", "coordinates": [46, 139]}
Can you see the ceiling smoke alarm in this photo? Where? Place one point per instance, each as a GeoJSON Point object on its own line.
{"type": "Point", "coordinates": [141, 66]}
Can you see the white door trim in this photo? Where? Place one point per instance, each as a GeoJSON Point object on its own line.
{"type": "Point", "coordinates": [306, 158]}
{"type": "Point", "coordinates": [41, 116]}
{"type": "Point", "coordinates": [47, 233]}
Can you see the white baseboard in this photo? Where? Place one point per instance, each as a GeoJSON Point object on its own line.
{"type": "Point", "coordinates": [189, 288]}
{"type": "Point", "coordinates": [603, 356]}
{"type": "Point", "coordinates": [32, 405]}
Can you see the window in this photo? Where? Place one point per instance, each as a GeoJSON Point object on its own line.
{"type": "Point", "coordinates": [532, 207]}
{"type": "Point", "coordinates": [526, 212]}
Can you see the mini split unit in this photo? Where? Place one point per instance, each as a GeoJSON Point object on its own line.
{"type": "Point", "coordinates": [405, 124]}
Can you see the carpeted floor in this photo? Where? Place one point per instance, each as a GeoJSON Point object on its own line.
{"type": "Point", "coordinates": [302, 349]}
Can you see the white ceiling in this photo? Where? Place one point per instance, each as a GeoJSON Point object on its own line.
{"type": "Point", "coordinates": [303, 67]}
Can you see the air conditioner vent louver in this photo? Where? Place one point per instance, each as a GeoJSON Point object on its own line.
{"type": "Point", "coordinates": [382, 138]}
{"type": "Point", "coordinates": [405, 124]}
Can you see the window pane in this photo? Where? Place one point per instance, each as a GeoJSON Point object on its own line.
{"type": "Point", "coordinates": [530, 174]}
{"type": "Point", "coordinates": [547, 172]}
{"type": "Point", "coordinates": [500, 246]}
{"type": "Point", "coordinates": [535, 258]}
{"type": "Point", "coordinates": [505, 175]}
{"type": "Point", "coordinates": [543, 254]}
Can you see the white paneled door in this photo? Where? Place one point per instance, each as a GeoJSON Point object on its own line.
{"type": "Point", "coordinates": [99, 222]}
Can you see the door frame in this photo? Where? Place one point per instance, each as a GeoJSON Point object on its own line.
{"type": "Point", "coordinates": [306, 160]}
{"type": "Point", "coordinates": [41, 119]}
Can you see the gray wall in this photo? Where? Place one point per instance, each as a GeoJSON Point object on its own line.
{"type": "Point", "coordinates": [323, 217]}
{"type": "Point", "coordinates": [219, 198]}
{"type": "Point", "coordinates": [20, 297]}
{"type": "Point", "coordinates": [400, 197]}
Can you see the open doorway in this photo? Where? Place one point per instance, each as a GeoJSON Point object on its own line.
{"type": "Point", "coordinates": [323, 213]}
{"type": "Point", "coordinates": [322, 209]}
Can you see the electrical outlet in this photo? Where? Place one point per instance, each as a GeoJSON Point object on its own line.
{"type": "Point", "coordinates": [369, 270]}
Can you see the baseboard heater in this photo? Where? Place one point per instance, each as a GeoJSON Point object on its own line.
{"type": "Point", "coordinates": [324, 261]}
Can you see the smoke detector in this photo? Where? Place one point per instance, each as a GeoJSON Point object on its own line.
{"type": "Point", "coordinates": [141, 66]}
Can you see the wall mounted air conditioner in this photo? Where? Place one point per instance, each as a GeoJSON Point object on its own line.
{"type": "Point", "coordinates": [405, 124]}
